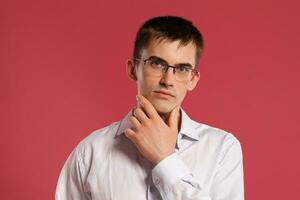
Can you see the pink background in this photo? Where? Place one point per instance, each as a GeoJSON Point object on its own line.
{"type": "Point", "coordinates": [62, 75]}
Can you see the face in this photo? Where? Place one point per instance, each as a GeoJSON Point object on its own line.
{"type": "Point", "coordinates": [164, 92]}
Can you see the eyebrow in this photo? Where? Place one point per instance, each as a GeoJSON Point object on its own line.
{"type": "Point", "coordinates": [178, 64]}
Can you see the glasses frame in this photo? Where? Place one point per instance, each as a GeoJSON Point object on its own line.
{"type": "Point", "coordinates": [167, 66]}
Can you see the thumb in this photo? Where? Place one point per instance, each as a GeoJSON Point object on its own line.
{"type": "Point", "coordinates": [173, 118]}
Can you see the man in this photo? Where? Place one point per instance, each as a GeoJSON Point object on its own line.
{"type": "Point", "coordinates": [157, 151]}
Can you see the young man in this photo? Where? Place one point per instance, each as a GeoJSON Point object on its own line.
{"type": "Point", "coordinates": [157, 151]}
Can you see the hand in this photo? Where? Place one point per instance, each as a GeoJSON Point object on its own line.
{"type": "Point", "coordinates": [152, 136]}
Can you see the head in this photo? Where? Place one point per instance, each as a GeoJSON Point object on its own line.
{"type": "Point", "coordinates": [167, 39]}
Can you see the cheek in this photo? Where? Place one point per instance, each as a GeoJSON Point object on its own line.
{"type": "Point", "coordinates": [181, 92]}
{"type": "Point", "coordinates": [147, 84]}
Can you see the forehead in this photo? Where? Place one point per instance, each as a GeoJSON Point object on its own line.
{"type": "Point", "coordinates": [171, 51]}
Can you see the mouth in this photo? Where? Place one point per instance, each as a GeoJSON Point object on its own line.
{"type": "Point", "coordinates": [163, 93]}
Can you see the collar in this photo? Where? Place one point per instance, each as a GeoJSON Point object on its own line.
{"type": "Point", "coordinates": [187, 125]}
{"type": "Point", "coordinates": [124, 123]}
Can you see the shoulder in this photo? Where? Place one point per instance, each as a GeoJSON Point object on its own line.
{"type": "Point", "coordinates": [224, 143]}
{"type": "Point", "coordinates": [215, 135]}
{"type": "Point", "coordinates": [98, 141]}
{"type": "Point", "coordinates": [204, 132]}
{"type": "Point", "coordinates": [105, 133]}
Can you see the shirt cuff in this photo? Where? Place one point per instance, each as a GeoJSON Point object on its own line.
{"type": "Point", "coordinates": [168, 171]}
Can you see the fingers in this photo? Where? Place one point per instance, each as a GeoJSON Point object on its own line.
{"type": "Point", "coordinates": [174, 118]}
{"type": "Point", "coordinates": [134, 123]}
{"type": "Point", "coordinates": [130, 134]}
{"type": "Point", "coordinates": [140, 115]}
{"type": "Point", "coordinates": [148, 107]}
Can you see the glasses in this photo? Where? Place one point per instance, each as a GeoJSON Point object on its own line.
{"type": "Point", "coordinates": [157, 67]}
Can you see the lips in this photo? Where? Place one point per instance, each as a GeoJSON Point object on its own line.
{"type": "Point", "coordinates": [164, 92]}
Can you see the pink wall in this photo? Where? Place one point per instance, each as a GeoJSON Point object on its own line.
{"type": "Point", "coordinates": [62, 75]}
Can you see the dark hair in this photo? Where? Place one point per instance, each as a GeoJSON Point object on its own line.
{"type": "Point", "coordinates": [171, 28]}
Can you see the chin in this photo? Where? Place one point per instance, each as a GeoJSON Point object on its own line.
{"type": "Point", "coordinates": [163, 108]}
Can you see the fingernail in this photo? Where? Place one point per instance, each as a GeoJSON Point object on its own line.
{"type": "Point", "coordinates": [138, 100]}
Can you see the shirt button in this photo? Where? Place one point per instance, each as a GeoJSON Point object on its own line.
{"type": "Point", "coordinates": [151, 189]}
{"type": "Point", "coordinates": [156, 181]}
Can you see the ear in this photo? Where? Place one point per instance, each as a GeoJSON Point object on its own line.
{"type": "Point", "coordinates": [194, 81]}
{"type": "Point", "coordinates": [131, 69]}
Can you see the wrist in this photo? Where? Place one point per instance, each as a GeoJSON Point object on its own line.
{"type": "Point", "coordinates": [162, 157]}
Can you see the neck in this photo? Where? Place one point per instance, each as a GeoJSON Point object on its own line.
{"type": "Point", "coordinates": [165, 117]}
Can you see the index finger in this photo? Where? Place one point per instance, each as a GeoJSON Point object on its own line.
{"type": "Point", "coordinates": [147, 107]}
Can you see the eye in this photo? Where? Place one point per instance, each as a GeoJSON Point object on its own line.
{"type": "Point", "coordinates": [156, 63]}
{"type": "Point", "coordinates": [183, 69]}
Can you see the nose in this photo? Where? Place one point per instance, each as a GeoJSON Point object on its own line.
{"type": "Point", "coordinates": [168, 78]}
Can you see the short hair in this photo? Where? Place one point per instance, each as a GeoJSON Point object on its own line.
{"type": "Point", "coordinates": [170, 28]}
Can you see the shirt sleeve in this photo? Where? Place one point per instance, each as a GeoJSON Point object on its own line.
{"type": "Point", "coordinates": [228, 182]}
{"type": "Point", "coordinates": [70, 182]}
{"type": "Point", "coordinates": [174, 180]}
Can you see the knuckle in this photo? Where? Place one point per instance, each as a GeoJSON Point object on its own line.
{"type": "Point", "coordinates": [157, 120]}
{"type": "Point", "coordinates": [138, 109]}
{"type": "Point", "coordinates": [137, 113]}
{"type": "Point", "coordinates": [138, 138]}
{"type": "Point", "coordinates": [147, 123]}
{"type": "Point", "coordinates": [131, 119]}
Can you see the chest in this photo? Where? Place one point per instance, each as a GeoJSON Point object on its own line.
{"type": "Point", "coordinates": [122, 173]}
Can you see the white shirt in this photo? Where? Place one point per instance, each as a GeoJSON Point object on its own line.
{"type": "Point", "coordinates": [207, 165]}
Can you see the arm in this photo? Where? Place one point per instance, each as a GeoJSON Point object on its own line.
{"type": "Point", "coordinates": [228, 182]}
{"type": "Point", "coordinates": [70, 182]}
{"type": "Point", "coordinates": [156, 141]}
{"type": "Point", "coordinates": [175, 181]}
